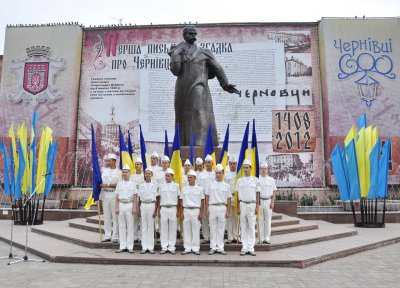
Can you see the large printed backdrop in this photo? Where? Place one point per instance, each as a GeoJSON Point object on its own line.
{"type": "Point", "coordinates": [126, 81]}
{"type": "Point", "coordinates": [360, 74]}
{"type": "Point", "coordinates": [41, 71]}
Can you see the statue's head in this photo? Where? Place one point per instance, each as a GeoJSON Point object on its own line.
{"type": "Point", "coordinates": [189, 33]}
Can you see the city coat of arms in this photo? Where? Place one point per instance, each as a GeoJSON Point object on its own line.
{"type": "Point", "coordinates": [36, 77]}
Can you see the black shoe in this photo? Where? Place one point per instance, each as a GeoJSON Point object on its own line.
{"type": "Point", "coordinates": [131, 251]}
{"type": "Point", "coordinates": [143, 252]}
{"type": "Point", "coordinates": [196, 252]}
{"type": "Point", "coordinates": [106, 240]}
{"type": "Point", "coordinates": [243, 253]}
{"type": "Point", "coordinates": [229, 242]}
{"type": "Point", "coordinates": [222, 252]}
{"type": "Point", "coordinates": [185, 252]}
{"type": "Point", "coordinates": [252, 253]}
{"type": "Point", "coordinates": [267, 242]}
{"type": "Point", "coordinates": [121, 250]}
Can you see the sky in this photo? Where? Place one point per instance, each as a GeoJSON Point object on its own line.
{"type": "Point", "coordinates": [104, 12]}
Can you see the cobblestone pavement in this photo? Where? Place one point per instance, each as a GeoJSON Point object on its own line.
{"type": "Point", "coordinates": [375, 268]}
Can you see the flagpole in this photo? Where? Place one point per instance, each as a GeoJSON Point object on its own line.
{"type": "Point", "coordinates": [98, 214]}
{"type": "Point", "coordinates": [258, 224]}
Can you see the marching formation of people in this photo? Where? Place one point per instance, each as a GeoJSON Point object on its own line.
{"type": "Point", "coordinates": [136, 205]}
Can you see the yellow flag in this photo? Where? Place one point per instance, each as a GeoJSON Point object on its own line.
{"type": "Point", "coordinates": [351, 135]}
{"type": "Point", "coordinates": [45, 140]}
{"type": "Point", "coordinates": [89, 202]}
{"type": "Point", "coordinates": [22, 136]}
{"type": "Point", "coordinates": [361, 163]}
{"type": "Point", "coordinates": [368, 148]}
{"type": "Point", "coordinates": [14, 148]}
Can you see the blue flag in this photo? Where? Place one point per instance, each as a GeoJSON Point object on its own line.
{"type": "Point", "coordinates": [51, 160]}
{"type": "Point", "coordinates": [12, 169]}
{"type": "Point", "coordinates": [362, 121]}
{"type": "Point", "coordinates": [340, 174]}
{"type": "Point", "coordinates": [7, 169]}
{"type": "Point", "coordinates": [166, 147]}
{"type": "Point", "coordinates": [96, 170]}
{"type": "Point", "coordinates": [209, 147]}
{"type": "Point", "coordinates": [243, 150]}
{"type": "Point", "coordinates": [255, 170]}
{"type": "Point", "coordinates": [374, 170]}
{"type": "Point", "coordinates": [130, 147]}
{"type": "Point", "coordinates": [352, 171]}
{"type": "Point", "coordinates": [20, 174]}
{"type": "Point", "coordinates": [384, 170]}
{"type": "Point", "coordinates": [143, 150]}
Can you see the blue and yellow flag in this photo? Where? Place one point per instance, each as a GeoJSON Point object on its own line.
{"type": "Point", "coordinates": [361, 162]}
{"type": "Point", "coordinates": [223, 157]}
{"type": "Point", "coordinates": [255, 163]}
{"type": "Point", "coordinates": [209, 147]}
{"type": "Point", "coordinates": [125, 157]}
{"type": "Point", "coordinates": [95, 195]}
{"type": "Point", "coordinates": [362, 121]}
{"type": "Point", "coordinates": [340, 174]}
{"type": "Point", "coordinates": [143, 151]}
{"type": "Point", "coordinates": [176, 160]}
{"type": "Point", "coordinates": [45, 142]}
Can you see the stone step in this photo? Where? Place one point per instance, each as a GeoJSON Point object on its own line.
{"type": "Point", "coordinates": [94, 227]}
{"type": "Point", "coordinates": [292, 254]}
{"type": "Point", "coordinates": [95, 219]}
{"type": "Point", "coordinates": [91, 239]}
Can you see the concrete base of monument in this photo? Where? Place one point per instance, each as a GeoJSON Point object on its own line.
{"type": "Point", "coordinates": [295, 243]}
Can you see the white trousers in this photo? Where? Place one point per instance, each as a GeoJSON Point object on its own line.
{"type": "Point", "coordinates": [125, 219]}
{"type": "Point", "coordinates": [248, 226]}
{"type": "Point", "coordinates": [217, 227]}
{"type": "Point", "coordinates": [168, 225]}
{"type": "Point", "coordinates": [110, 217]}
{"type": "Point", "coordinates": [205, 228]}
{"type": "Point", "coordinates": [265, 220]}
{"type": "Point", "coordinates": [232, 225]}
{"type": "Point", "coordinates": [191, 230]}
{"type": "Point", "coordinates": [137, 233]}
{"type": "Point", "coordinates": [147, 227]}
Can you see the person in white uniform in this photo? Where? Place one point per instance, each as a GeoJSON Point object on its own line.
{"type": "Point", "coordinates": [205, 178]}
{"type": "Point", "coordinates": [187, 166]}
{"type": "Point", "coordinates": [154, 163]}
{"type": "Point", "coordinates": [125, 209]}
{"type": "Point", "coordinates": [248, 188]}
{"type": "Point", "coordinates": [110, 176]}
{"type": "Point", "coordinates": [191, 203]}
{"type": "Point", "coordinates": [232, 221]}
{"type": "Point", "coordinates": [160, 176]}
{"type": "Point", "coordinates": [167, 212]}
{"type": "Point", "coordinates": [148, 193]}
{"type": "Point", "coordinates": [267, 198]}
{"type": "Point", "coordinates": [137, 178]}
{"type": "Point", "coordinates": [218, 206]}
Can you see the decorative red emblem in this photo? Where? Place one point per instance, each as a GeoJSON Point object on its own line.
{"type": "Point", "coordinates": [36, 77]}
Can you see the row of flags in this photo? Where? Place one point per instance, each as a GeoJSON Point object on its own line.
{"type": "Point", "coordinates": [361, 167]}
{"type": "Point", "coordinates": [127, 155]}
{"type": "Point", "coordinates": [24, 171]}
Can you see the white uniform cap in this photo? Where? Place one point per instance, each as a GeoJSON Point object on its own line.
{"type": "Point", "coordinates": [126, 167]}
{"type": "Point", "coordinates": [112, 156]}
{"type": "Point", "coordinates": [246, 162]}
{"type": "Point", "coordinates": [264, 164]}
{"type": "Point", "coordinates": [138, 160]}
{"type": "Point", "coordinates": [192, 173]}
{"type": "Point", "coordinates": [199, 161]}
{"type": "Point", "coordinates": [148, 169]}
{"type": "Point", "coordinates": [165, 158]}
{"type": "Point", "coordinates": [105, 157]}
{"type": "Point", "coordinates": [208, 158]}
{"type": "Point", "coordinates": [187, 162]}
{"type": "Point", "coordinates": [219, 168]}
{"type": "Point", "coordinates": [154, 154]}
{"type": "Point", "coordinates": [169, 171]}
{"type": "Point", "coordinates": [232, 159]}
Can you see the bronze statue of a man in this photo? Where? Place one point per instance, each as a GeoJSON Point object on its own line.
{"type": "Point", "coordinates": [193, 66]}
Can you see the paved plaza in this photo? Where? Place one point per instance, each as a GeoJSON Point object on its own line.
{"type": "Point", "coordinates": [375, 268]}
